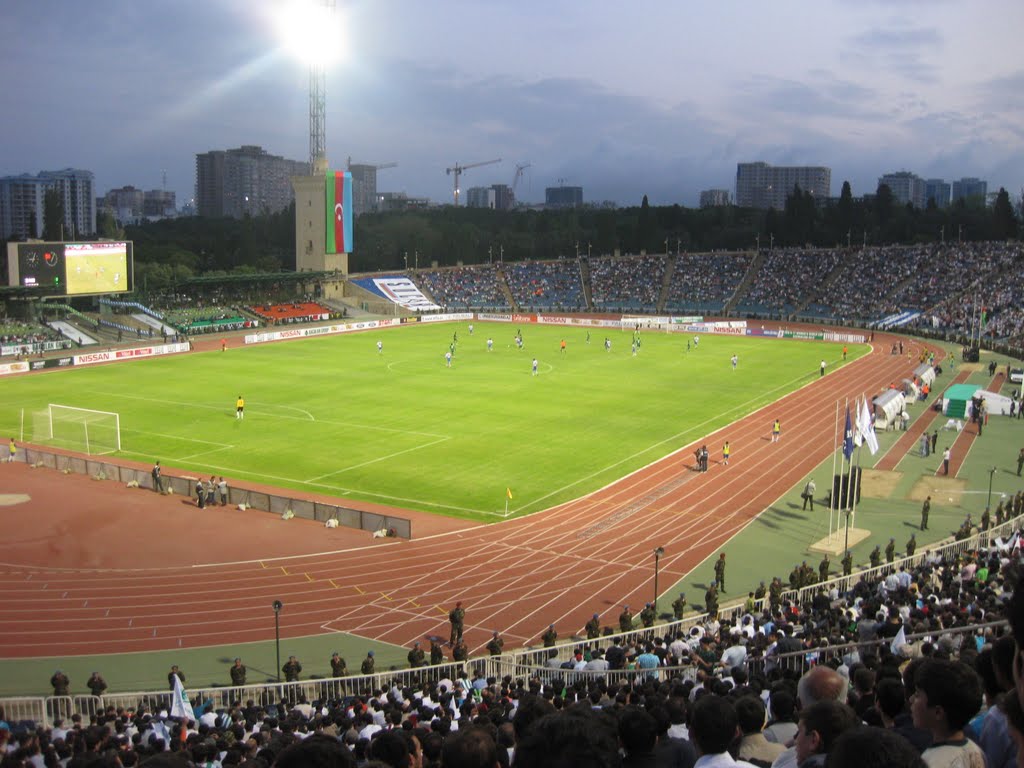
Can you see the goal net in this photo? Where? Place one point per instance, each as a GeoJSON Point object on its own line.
{"type": "Point", "coordinates": [77, 429]}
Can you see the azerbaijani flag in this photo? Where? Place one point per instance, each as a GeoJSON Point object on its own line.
{"type": "Point", "coordinates": [338, 193]}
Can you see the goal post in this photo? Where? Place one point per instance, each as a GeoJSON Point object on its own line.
{"type": "Point", "coordinates": [78, 429]}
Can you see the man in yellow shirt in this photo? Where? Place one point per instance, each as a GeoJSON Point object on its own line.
{"type": "Point", "coordinates": [240, 408]}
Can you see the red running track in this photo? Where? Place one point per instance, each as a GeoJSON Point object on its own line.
{"type": "Point", "coordinates": [558, 566]}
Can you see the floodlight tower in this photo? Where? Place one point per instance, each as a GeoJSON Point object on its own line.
{"type": "Point", "coordinates": [318, 102]}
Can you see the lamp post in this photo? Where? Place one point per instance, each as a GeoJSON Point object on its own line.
{"type": "Point", "coordinates": [757, 240]}
{"type": "Point", "coordinates": [405, 259]}
{"type": "Point", "coordinates": [277, 605]}
{"type": "Point", "coordinates": [657, 558]}
{"type": "Point", "coordinates": [991, 474]}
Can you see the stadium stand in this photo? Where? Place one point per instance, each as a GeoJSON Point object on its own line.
{"type": "Point", "coordinates": [546, 284]}
{"type": "Point", "coordinates": [463, 287]}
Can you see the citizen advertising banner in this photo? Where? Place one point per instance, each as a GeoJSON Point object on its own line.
{"type": "Point", "coordinates": [321, 330]}
{"type": "Point", "coordinates": [52, 362]}
{"type": "Point", "coordinates": [446, 316]}
{"type": "Point", "coordinates": [9, 368]}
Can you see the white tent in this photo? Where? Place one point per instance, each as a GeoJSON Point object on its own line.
{"type": "Point", "coordinates": [888, 407]}
{"type": "Point", "coordinates": [925, 374]}
{"type": "Point", "coordinates": [998, 405]}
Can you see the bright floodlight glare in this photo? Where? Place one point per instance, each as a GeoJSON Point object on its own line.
{"type": "Point", "coordinates": [310, 31]}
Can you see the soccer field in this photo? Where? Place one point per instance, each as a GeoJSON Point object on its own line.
{"type": "Point", "coordinates": [331, 415]}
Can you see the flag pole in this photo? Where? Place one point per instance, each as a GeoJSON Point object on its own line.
{"type": "Point", "coordinates": [832, 496]}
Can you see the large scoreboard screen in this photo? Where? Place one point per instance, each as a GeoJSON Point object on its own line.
{"type": "Point", "coordinates": [72, 269]}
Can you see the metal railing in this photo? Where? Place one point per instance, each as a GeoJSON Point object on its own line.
{"type": "Point", "coordinates": [527, 662]}
{"type": "Point", "coordinates": [184, 486]}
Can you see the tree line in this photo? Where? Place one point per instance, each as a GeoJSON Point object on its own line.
{"type": "Point", "coordinates": [171, 251]}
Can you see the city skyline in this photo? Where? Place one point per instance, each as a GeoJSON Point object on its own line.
{"type": "Point", "coordinates": [665, 105]}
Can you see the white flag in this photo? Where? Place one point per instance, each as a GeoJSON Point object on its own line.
{"type": "Point", "coordinates": [868, 427]}
{"type": "Point", "coordinates": [898, 642]}
{"type": "Point", "coordinates": [181, 707]}
{"type": "Point", "coordinates": [858, 433]}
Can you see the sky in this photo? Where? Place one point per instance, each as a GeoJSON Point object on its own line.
{"type": "Point", "coordinates": [655, 97]}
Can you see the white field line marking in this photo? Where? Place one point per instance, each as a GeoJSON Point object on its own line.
{"type": "Point", "coordinates": [376, 460]}
{"type": "Point", "coordinates": [356, 425]}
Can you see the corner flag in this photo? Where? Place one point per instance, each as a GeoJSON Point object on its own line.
{"type": "Point", "coordinates": [181, 706]}
{"type": "Point", "coordinates": [848, 436]}
{"type": "Point", "coordinates": [508, 492]}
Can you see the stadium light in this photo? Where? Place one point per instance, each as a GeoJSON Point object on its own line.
{"type": "Point", "coordinates": [309, 31]}
{"type": "Point", "coordinates": [277, 605]}
{"type": "Point", "coordinates": [657, 558]}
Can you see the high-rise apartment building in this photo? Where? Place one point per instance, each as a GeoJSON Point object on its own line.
{"type": "Point", "coordinates": [125, 204]}
{"type": "Point", "coordinates": [970, 188]}
{"type": "Point", "coordinates": [364, 188]}
{"type": "Point", "coordinates": [22, 198]}
{"type": "Point", "coordinates": [759, 185]}
{"type": "Point", "coordinates": [244, 181]}
{"type": "Point", "coordinates": [937, 190]}
{"type": "Point", "coordinates": [906, 187]}
{"type": "Point", "coordinates": [497, 197]}
{"type": "Point", "coordinates": [563, 197]}
{"type": "Point", "coordinates": [713, 198]}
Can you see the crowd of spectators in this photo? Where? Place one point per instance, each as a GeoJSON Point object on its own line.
{"type": "Point", "coordinates": [789, 278]}
{"type": "Point", "coordinates": [546, 284]}
{"type": "Point", "coordinates": [630, 282]}
{"type": "Point", "coordinates": [706, 280]}
{"type": "Point", "coordinates": [866, 280]}
{"type": "Point", "coordinates": [26, 338]}
{"type": "Point", "coordinates": [463, 287]}
{"type": "Point", "coordinates": [834, 682]}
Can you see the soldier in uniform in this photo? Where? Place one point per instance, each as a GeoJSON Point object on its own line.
{"type": "Point", "coordinates": [890, 551]}
{"type": "Point", "coordinates": [593, 627]}
{"type": "Point", "coordinates": [775, 594]}
{"type": "Point", "coordinates": [460, 652]}
{"type": "Point", "coordinates": [648, 616]}
{"type": "Point", "coordinates": [457, 618]}
{"type": "Point", "coordinates": [875, 557]}
{"type": "Point", "coordinates": [625, 620]}
{"type": "Point", "coordinates": [495, 644]}
{"type": "Point", "coordinates": [679, 606]}
{"type": "Point", "coordinates": [911, 546]}
{"type": "Point", "coordinates": [760, 592]}
{"type": "Point", "coordinates": [550, 636]}
{"type": "Point", "coordinates": [986, 519]}
{"type": "Point", "coordinates": [847, 563]}
{"type": "Point", "coordinates": [338, 666]}
{"type": "Point", "coordinates": [291, 670]}
{"type": "Point", "coordinates": [436, 652]}
{"type": "Point", "coordinates": [60, 683]}
{"type": "Point", "coordinates": [795, 578]}
{"type": "Point", "coordinates": [925, 509]}
{"type": "Point", "coordinates": [368, 664]}
{"type": "Point", "coordinates": [711, 599]}
{"type": "Point", "coordinates": [720, 572]}
{"type": "Point", "coordinates": [806, 574]}
{"type": "Point", "coordinates": [238, 673]}
{"type": "Point", "coordinates": [417, 658]}
{"type": "Point", "coordinates": [823, 567]}
{"type": "Point", "coordinates": [96, 684]}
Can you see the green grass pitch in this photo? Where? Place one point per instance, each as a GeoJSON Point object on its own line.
{"type": "Point", "coordinates": [331, 415]}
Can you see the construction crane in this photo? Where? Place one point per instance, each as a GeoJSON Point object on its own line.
{"type": "Point", "coordinates": [374, 166]}
{"type": "Point", "coordinates": [458, 169]}
{"type": "Point", "coordinates": [520, 167]}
